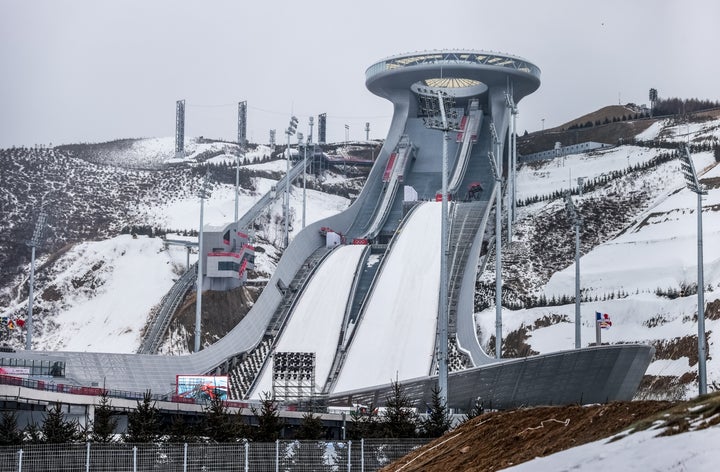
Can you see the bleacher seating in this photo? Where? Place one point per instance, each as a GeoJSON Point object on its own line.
{"type": "Point", "coordinates": [242, 376]}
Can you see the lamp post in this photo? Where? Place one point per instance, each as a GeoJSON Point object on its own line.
{"type": "Point", "coordinates": [198, 300]}
{"type": "Point", "coordinates": [292, 127]}
{"type": "Point", "coordinates": [438, 103]}
{"type": "Point", "coordinates": [37, 236]}
{"type": "Point", "coordinates": [510, 104]}
{"type": "Point", "coordinates": [496, 165]}
{"type": "Point", "coordinates": [577, 221]}
{"type": "Point", "coordinates": [693, 184]}
{"type": "Point", "coordinates": [307, 143]}
{"type": "Point", "coordinates": [237, 187]}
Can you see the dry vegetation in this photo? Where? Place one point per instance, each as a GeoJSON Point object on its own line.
{"type": "Point", "coordinates": [493, 441]}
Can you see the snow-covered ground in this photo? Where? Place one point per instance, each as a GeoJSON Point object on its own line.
{"type": "Point", "coordinates": [318, 316]}
{"type": "Point", "coordinates": [644, 451]}
{"type": "Point", "coordinates": [109, 306]}
{"type": "Point", "coordinates": [184, 213]}
{"type": "Point", "coordinates": [111, 286]}
{"type": "Point", "coordinates": [658, 250]}
{"type": "Point", "coordinates": [396, 336]}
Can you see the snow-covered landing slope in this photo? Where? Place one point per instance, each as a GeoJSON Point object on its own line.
{"type": "Point", "coordinates": [396, 334]}
{"type": "Point", "coordinates": [315, 324]}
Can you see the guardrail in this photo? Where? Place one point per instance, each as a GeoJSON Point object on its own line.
{"type": "Point", "coordinates": [52, 386]}
{"type": "Point", "coordinates": [169, 304]}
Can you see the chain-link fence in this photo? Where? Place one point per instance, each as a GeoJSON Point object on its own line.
{"type": "Point", "coordinates": [280, 456]}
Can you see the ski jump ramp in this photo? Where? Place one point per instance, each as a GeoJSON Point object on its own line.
{"type": "Point", "coordinates": [378, 337]}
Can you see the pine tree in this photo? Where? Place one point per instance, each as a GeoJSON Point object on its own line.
{"type": "Point", "coordinates": [32, 434]}
{"type": "Point", "coordinates": [180, 431]}
{"type": "Point", "coordinates": [56, 429]}
{"type": "Point", "coordinates": [270, 424]}
{"type": "Point", "coordinates": [365, 423]}
{"type": "Point", "coordinates": [104, 423]}
{"type": "Point", "coordinates": [438, 422]}
{"type": "Point", "coordinates": [477, 410]}
{"type": "Point", "coordinates": [144, 422]}
{"type": "Point", "coordinates": [218, 424]}
{"type": "Point", "coordinates": [10, 435]}
{"type": "Point", "coordinates": [399, 419]}
{"type": "Point", "coordinates": [311, 427]}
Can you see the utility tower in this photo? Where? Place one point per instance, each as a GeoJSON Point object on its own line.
{"type": "Point", "coordinates": [36, 239]}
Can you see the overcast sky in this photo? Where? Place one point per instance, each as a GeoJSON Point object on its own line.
{"type": "Point", "coordinates": [92, 70]}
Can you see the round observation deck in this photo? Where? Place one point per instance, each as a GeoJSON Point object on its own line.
{"type": "Point", "coordinates": [465, 72]}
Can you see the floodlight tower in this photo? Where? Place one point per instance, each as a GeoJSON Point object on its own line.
{"type": "Point", "coordinates": [242, 123]}
{"type": "Point", "coordinates": [577, 221]}
{"type": "Point", "coordinates": [653, 99]}
{"type": "Point", "coordinates": [292, 127]}
{"type": "Point", "coordinates": [272, 139]}
{"type": "Point", "coordinates": [693, 184]}
{"type": "Point", "coordinates": [438, 107]}
{"type": "Point", "coordinates": [203, 194]}
{"type": "Point", "coordinates": [180, 129]}
{"type": "Point", "coordinates": [36, 239]}
{"type": "Point", "coordinates": [496, 165]}
{"type": "Point", "coordinates": [322, 128]}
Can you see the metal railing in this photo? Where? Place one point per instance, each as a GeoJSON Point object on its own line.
{"type": "Point", "coordinates": [283, 455]}
{"type": "Point", "coordinates": [169, 304]}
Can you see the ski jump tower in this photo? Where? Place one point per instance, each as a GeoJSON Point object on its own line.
{"type": "Point", "coordinates": [408, 170]}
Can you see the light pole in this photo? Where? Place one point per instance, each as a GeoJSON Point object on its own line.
{"type": "Point", "coordinates": [237, 187]}
{"type": "Point", "coordinates": [436, 103]}
{"type": "Point", "coordinates": [510, 104]}
{"type": "Point", "coordinates": [242, 133]}
{"type": "Point", "coordinates": [514, 162]}
{"type": "Point", "coordinates": [693, 184]}
{"type": "Point", "coordinates": [307, 143]}
{"type": "Point", "coordinates": [299, 145]}
{"type": "Point", "coordinates": [577, 220]}
{"type": "Point", "coordinates": [496, 165]}
{"type": "Point", "coordinates": [292, 127]}
{"type": "Point", "coordinates": [198, 300]}
{"type": "Point", "coordinates": [37, 236]}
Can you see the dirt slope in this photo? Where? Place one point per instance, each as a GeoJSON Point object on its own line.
{"type": "Point", "coordinates": [497, 440]}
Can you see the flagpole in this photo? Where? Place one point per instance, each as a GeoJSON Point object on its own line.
{"type": "Point", "coordinates": [598, 330]}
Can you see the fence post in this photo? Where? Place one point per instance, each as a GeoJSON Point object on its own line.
{"type": "Point", "coordinates": [87, 458]}
{"type": "Point", "coordinates": [349, 446]}
{"type": "Point", "coordinates": [277, 455]}
{"type": "Point", "coordinates": [134, 458]}
{"type": "Point", "coordinates": [185, 458]}
{"type": "Point", "coordinates": [362, 455]}
{"type": "Point", "coordinates": [20, 453]}
{"type": "Point", "coordinates": [247, 453]}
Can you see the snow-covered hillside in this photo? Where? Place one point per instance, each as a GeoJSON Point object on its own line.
{"type": "Point", "coordinates": [643, 272]}
{"type": "Point", "coordinates": [638, 251]}
{"type": "Point", "coordinates": [97, 295]}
